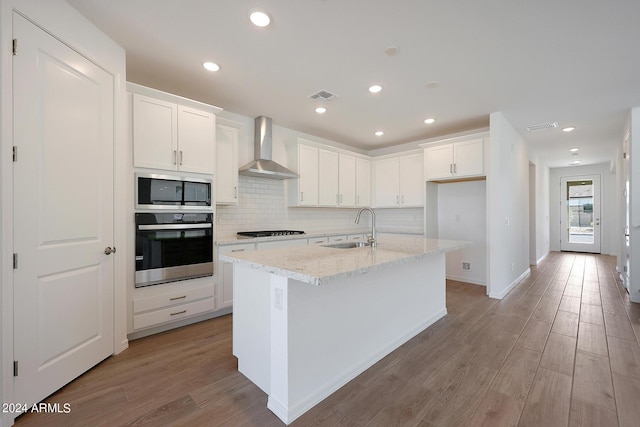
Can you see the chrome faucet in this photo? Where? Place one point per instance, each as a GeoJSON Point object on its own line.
{"type": "Point", "coordinates": [371, 240]}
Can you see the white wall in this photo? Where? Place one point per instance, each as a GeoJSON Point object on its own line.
{"type": "Point", "coordinates": [462, 216]}
{"type": "Point", "coordinates": [508, 196]}
{"type": "Point", "coordinates": [609, 235]}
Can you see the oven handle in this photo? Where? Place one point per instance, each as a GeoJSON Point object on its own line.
{"type": "Point", "coordinates": [174, 226]}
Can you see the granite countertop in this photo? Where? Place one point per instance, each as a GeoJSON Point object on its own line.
{"type": "Point", "coordinates": [234, 240]}
{"type": "Point", "coordinates": [318, 265]}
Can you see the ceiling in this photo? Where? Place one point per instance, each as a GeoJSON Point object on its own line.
{"type": "Point", "coordinates": [574, 62]}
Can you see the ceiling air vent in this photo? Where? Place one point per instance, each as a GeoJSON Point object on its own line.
{"type": "Point", "coordinates": [323, 95]}
{"type": "Point", "coordinates": [542, 126]}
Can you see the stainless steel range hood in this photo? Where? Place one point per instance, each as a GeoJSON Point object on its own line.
{"type": "Point", "coordinates": [263, 166]}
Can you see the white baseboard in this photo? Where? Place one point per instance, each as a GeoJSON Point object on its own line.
{"type": "Point", "coordinates": [511, 286]}
{"type": "Point", "coordinates": [471, 280]}
{"type": "Point", "coordinates": [542, 258]}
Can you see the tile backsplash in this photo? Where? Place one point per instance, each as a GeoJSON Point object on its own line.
{"type": "Point", "coordinates": [262, 205]}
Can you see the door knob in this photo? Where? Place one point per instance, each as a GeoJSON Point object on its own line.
{"type": "Point", "coordinates": [108, 250]}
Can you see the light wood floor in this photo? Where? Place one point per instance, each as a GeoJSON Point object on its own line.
{"type": "Point", "coordinates": [560, 350]}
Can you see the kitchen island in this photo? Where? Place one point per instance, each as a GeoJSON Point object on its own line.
{"type": "Point", "coordinates": [307, 320]}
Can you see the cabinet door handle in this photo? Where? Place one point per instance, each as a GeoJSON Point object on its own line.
{"type": "Point", "coordinates": [180, 156]}
{"type": "Point", "coordinates": [235, 192]}
{"type": "Point", "coordinates": [177, 298]}
{"type": "Point", "coordinates": [237, 250]}
{"type": "Point", "coordinates": [178, 312]}
{"type": "Point", "coordinates": [451, 168]}
{"type": "Point", "coordinates": [175, 157]}
{"type": "Point", "coordinates": [317, 242]}
{"type": "Point", "coordinates": [455, 168]}
{"type": "Point", "coordinates": [302, 196]}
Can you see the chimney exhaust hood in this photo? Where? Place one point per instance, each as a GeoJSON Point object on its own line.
{"type": "Point", "coordinates": [263, 166]}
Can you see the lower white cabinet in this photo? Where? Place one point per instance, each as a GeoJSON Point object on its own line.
{"type": "Point", "coordinates": [161, 304]}
{"type": "Point", "coordinates": [225, 273]}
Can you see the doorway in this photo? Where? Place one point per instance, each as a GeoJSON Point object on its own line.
{"type": "Point", "coordinates": [63, 282]}
{"type": "Point", "coordinates": [580, 214]}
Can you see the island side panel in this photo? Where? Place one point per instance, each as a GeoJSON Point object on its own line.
{"type": "Point", "coordinates": [338, 330]}
{"type": "Point", "coordinates": [251, 324]}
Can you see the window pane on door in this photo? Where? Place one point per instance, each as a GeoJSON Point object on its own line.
{"type": "Point", "coordinates": [580, 211]}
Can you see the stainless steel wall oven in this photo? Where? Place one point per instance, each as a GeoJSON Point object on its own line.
{"type": "Point", "coordinates": [172, 246]}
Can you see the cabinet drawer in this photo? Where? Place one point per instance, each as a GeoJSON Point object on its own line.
{"type": "Point", "coordinates": [337, 239]}
{"type": "Point", "coordinates": [172, 313]}
{"type": "Point", "coordinates": [318, 241]}
{"type": "Point", "coordinates": [281, 244]}
{"type": "Point", "coordinates": [171, 299]}
{"type": "Point", "coordinates": [236, 248]}
{"type": "Point", "coordinates": [356, 238]}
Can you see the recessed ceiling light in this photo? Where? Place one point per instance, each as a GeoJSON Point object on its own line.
{"type": "Point", "coordinates": [568, 129]}
{"type": "Point", "coordinates": [575, 162]}
{"type": "Point", "coordinates": [379, 133]}
{"type": "Point", "coordinates": [375, 88]}
{"type": "Point", "coordinates": [430, 121]}
{"type": "Point", "coordinates": [574, 149]}
{"type": "Point", "coordinates": [211, 66]}
{"type": "Point", "coordinates": [321, 110]}
{"type": "Point", "coordinates": [259, 18]}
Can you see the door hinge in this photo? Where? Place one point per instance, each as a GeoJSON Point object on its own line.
{"type": "Point", "coordinates": [15, 261]}
{"type": "Point", "coordinates": [624, 268]}
{"type": "Point", "coordinates": [15, 153]}
{"type": "Point", "coordinates": [15, 47]}
{"type": "Point", "coordinates": [15, 368]}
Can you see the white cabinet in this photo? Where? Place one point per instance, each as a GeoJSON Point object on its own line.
{"type": "Point", "coordinates": [161, 304]}
{"type": "Point", "coordinates": [328, 177]}
{"type": "Point", "coordinates": [225, 273]}
{"type": "Point", "coordinates": [399, 181]}
{"type": "Point", "coordinates": [303, 191]}
{"type": "Point", "coordinates": [226, 164]}
{"type": "Point", "coordinates": [328, 181]}
{"type": "Point", "coordinates": [455, 161]}
{"type": "Point", "coordinates": [172, 133]}
{"type": "Point", "coordinates": [363, 182]}
{"type": "Point", "coordinates": [347, 180]}
{"type": "Point", "coordinates": [337, 179]}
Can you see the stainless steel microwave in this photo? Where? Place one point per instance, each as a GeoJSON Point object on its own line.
{"type": "Point", "coordinates": [155, 191]}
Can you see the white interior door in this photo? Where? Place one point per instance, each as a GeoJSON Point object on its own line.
{"type": "Point", "coordinates": [63, 218]}
{"type": "Point", "coordinates": [580, 214]}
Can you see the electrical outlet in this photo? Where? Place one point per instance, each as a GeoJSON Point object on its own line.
{"type": "Point", "coordinates": [513, 266]}
{"type": "Point", "coordinates": [277, 299]}
{"type": "Point", "coordinates": [466, 266]}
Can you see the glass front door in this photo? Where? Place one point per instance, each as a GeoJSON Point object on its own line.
{"type": "Point", "coordinates": [580, 230]}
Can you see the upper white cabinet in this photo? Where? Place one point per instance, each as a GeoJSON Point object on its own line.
{"type": "Point", "coordinates": [363, 182]}
{"type": "Point", "coordinates": [328, 178]}
{"type": "Point", "coordinates": [399, 181]}
{"type": "Point", "coordinates": [303, 191]}
{"type": "Point", "coordinates": [347, 180]}
{"type": "Point", "coordinates": [456, 160]}
{"type": "Point", "coordinates": [171, 132]}
{"type": "Point", "coordinates": [226, 164]}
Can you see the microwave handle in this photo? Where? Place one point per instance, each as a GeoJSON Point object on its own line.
{"type": "Point", "coordinates": [174, 226]}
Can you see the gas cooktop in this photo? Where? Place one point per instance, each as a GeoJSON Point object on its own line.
{"type": "Point", "coordinates": [267, 233]}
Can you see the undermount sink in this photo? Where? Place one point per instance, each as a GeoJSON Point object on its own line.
{"type": "Point", "coordinates": [348, 245]}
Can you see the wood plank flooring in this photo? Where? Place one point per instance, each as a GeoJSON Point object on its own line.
{"type": "Point", "coordinates": [561, 349]}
